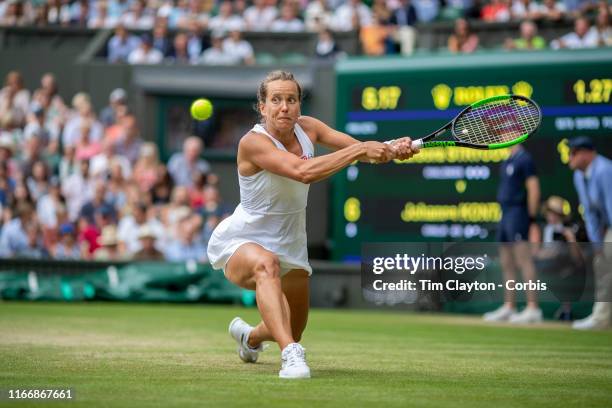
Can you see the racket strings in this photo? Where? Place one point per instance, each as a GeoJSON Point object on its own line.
{"type": "Point", "coordinates": [497, 122]}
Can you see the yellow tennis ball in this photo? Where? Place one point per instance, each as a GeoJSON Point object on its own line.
{"type": "Point", "coordinates": [201, 109]}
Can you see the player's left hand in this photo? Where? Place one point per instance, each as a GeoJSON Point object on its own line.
{"type": "Point", "coordinates": [403, 148]}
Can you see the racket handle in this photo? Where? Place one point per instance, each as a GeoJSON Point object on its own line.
{"type": "Point", "coordinates": [418, 144]}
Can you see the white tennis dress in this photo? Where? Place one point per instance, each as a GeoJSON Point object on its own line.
{"type": "Point", "coordinates": [271, 213]}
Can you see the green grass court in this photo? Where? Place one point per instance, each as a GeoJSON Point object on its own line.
{"type": "Point", "coordinates": [181, 355]}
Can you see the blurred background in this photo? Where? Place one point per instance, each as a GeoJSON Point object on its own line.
{"type": "Point", "coordinates": [110, 190]}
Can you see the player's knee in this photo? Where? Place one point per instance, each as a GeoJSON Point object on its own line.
{"type": "Point", "coordinates": [267, 268]}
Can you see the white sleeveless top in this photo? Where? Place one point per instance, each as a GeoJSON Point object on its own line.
{"type": "Point", "coordinates": [271, 213]}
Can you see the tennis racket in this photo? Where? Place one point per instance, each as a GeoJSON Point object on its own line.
{"type": "Point", "coordinates": [491, 123]}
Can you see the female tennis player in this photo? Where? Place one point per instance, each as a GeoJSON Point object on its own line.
{"type": "Point", "coordinates": [262, 245]}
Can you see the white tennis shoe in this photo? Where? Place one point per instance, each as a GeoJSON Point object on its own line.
{"type": "Point", "coordinates": [294, 362]}
{"type": "Point", "coordinates": [501, 314]}
{"type": "Point", "coordinates": [528, 316]}
{"type": "Point", "coordinates": [240, 330]}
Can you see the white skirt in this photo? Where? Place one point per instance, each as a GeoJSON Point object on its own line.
{"type": "Point", "coordinates": [284, 235]}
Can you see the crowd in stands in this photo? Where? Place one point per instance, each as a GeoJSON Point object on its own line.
{"type": "Point", "coordinates": [384, 26]}
{"type": "Point", "coordinates": [75, 184]}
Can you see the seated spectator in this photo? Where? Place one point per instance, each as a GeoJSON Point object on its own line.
{"type": "Point", "coordinates": [216, 54]}
{"type": "Point", "coordinates": [129, 142]}
{"type": "Point", "coordinates": [581, 37]}
{"type": "Point", "coordinates": [326, 47]}
{"type": "Point", "coordinates": [259, 16]}
{"type": "Point", "coordinates": [49, 204]}
{"type": "Point", "coordinates": [145, 53]}
{"type": "Point", "coordinates": [161, 41]}
{"type": "Point", "coordinates": [14, 236]}
{"type": "Point", "coordinates": [288, 20]}
{"type": "Point", "coordinates": [195, 41]}
{"type": "Point", "coordinates": [189, 245]}
{"type": "Point", "coordinates": [117, 8]}
{"type": "Point", "coordinates": [38, 127]}
{"type": "Point", "coordinates": [98, 203]}
{"type": "Point", "coordinates": [14, 99]}
{"type": "Point", "coordinates": [427, 10]}
{"type": "Point", "coordinates": [496, 11]}
{"type": "Point", "coordinates": [147, 251]}
{"type": "Point", "coordinates": [195, 13]}
{"type": "Point", "coordinates": [101, 19]}
{"type": "Point", "coordinates": [183, 165]}
{"type": "Point", "coordinates": [462, 40]}
{"type": "Point", "coordinates": [318, 15]}
{"type": "Point", "coordinates": [108, 246]}
{"type": "Point", "coordinates": [529, 39]}
{"type": "Point", "coordinates": [86, 148]}
{"type": "Point", "coordinates": [138, 18]}
{"type": "Point", "coordinates": [38, 182]}
{"type": "Point", "coordinates": [237, 47]}
{"type": "Point", "coordinates": [525, 9]}
{"type": "Point", "coordinates": [32, 152]}
{"type": "Point", "coordinates": [6, 154]}
{"type": "Point", "coordinates": [75, 189]}
{"type": "Point", "coordinates": [83, 117]}
{"type": "Point", "coordinates": [15, 14]}
{"type": "Point", "coordinates": [130, 226]}
{"type": "Point", "coordinates": [79, 13]}
{"type": "Point", "coordinates": [375, 37]}
{"type": "Point", "coordinates": [34, 248]}
{"type": "Point", "coordinates": [226, 19]}
{"type": "Point", "coordinates": [602, 29]}
{"type": "Point", "coordinates": [58, 13]}
{"type": "Point", "coordinates": [116, 100]}
{"type": "Point", "coordinates": [351, 16]}
{"type": "Point", "coordinates": [404, 15]}
{"type": "Point", "coordinates": [145, 172]}
{"type": "Point", "coordinates": [179, 54]}
{"type": "Point", "coordinates": [163, 187]}
{"type": "Point", "coordinates": [121, 45]}
{"type": "Point", "coordinates": [552, 10]}
{"type": "Point", "coordinates": [100, 164]}
{"type": "Point", "coordinates": [67, 248]}
{"type": "Point", "coordinates": [53, 104]}
{"type": "Point", "coordinates": [68, 164]}
{"type": "Point", "coordinates": [117, 185]}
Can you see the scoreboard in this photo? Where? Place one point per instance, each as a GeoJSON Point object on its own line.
{"type": "Point", "coordinates": [449, 193]}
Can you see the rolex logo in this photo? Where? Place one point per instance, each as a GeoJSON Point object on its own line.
{"type": "Point", "coordinates": [441, 94]}
{"type": "Point", "coordinates": [522, 88]}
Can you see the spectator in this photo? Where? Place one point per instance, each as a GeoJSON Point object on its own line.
{"type": "Point", "coordinates": [183, 165]}
{"type": "Point", "coordinates": [98, 203]}
{"type": "Point", "coordinates": [86, 148]}
{"type": "Point", "coordinates": [326, 47]}
{"type": "Point", "coordinates": [58, 13]}
{"type": "Point", "coordinates": [581, 37]}
{"type": "Point", "coordinates": [147, 251]}
{"type": "Point", "coordinates": [67, 248]}
{"type": "Point", "coordinates": [146, 168]}
{"type": "Point", "coordinates": [318, 15]}
{"type": "Point", "coordinates": [402, 23]}
{"type": "Point", "coordinates": [121, 45]}
{"type": "Point", "coordinates": [238, 48]}
{"type": "Point", "coordinates": [195, 42]}
{"type": "Point", "coordinates": [602, 30]}
{"type": "Point", "coordinates": [101, 19]}
{"type": "Point", "coordinates": [552, 10]}
{"type": "Point", "coordinates": [37, 127]}
{"type": "Point", "coordinates": [100, 163]}
{"type": "Point", "coordinates": [496, 11]}
{"type": "Point", "coordinates": [145, 53]}
{"type": "Point", "coordinates": [288, 21]}
{"type": "Point", "coordinates": [83, 118]}
{"type": "Point", "coordinates": [131, 225]}
{"type": "Point", "coordinates": [6, 154]}
{"type": "Point", "coordinates": [48, 97]}
{"type": "Point", "coordinates": [75, 188]}
{"type": "Point", "coordinates": [138, 18]}
{"type": "Point", "coordinates": [68, 164]}
{"type": "Point", "coordinates": [259, 16]}
{"type": "Point", "coordinates": [161, 42]}
{"type": "Point", "coordinates": [116, 100]}
{"type": "Point", "coordinates": [38, 182]}
{"type": "Point", "coordinates": [34, 248]}
{"type": "Point", "coordinates": [117, 185]}
{"type": "Point", "coordinates": [163, 187]}
{"type": "Point", "coordinates": [351, 16]}
{"type": "Point", "coordinates": [592, 175]}
{"type": "Point", "coordinates": [525, 9]}
{"type": "Point", "coordinates": [374, 37]}
{"type": "Point", "coordinates": [427, 10]}
{"type": "Point", "coordinates": [109, 246]}
{"type": "Point", "coordinates": [195, 14]}
{"type": "Point", "coordinates": [14, 236]}
{"type": "Point", "coordinates": [49, 204]}
{"type": "Point", "coordinates": [216, 55]}
{"type": "Point", "coordinates": [463, 40]}
{"type": "Point", "coordinates": [189, 246]}
{"type": "Point", "coordinates": [14, 99]}
{"type": "Point", "coordinates": [15, 14]}
{"type": "Point", "coordinates": [226, 19]}
{"type": "Point", "coordinates": [32, 152]}
{"type": "Point", "coordinates": [180, 52]}
{"type": "Point", "coordinates": [128, 145]}
{"type": "Point", "coordinates": [529, 39]}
